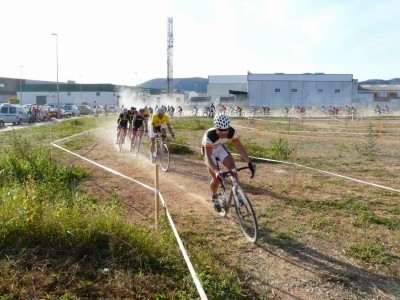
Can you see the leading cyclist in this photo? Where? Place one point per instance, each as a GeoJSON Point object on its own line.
{"type": "Point", "coordinates": [122, 122]}
{"type": "Point", "coordinates": [158, 119]}
{"type": "Point", "coordinates": [214, 149]}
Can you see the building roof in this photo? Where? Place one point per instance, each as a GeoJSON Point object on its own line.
{"type": "Point", "coordinates": [380, 87]}
{"type": "Point", "coordinates": [300, 77]}
{"type": "Point", "coordinates": [227, 79]}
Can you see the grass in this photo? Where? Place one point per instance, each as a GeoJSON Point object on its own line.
{"type": "Point", "coordinates": [59, 242]}
{"type": "Point", "coordinates": [81, 247]}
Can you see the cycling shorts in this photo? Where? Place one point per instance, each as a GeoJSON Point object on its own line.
{"type": "Point", "coordinates": [152, 133]}
{"type": "Point", "coordinates": [218, 154]}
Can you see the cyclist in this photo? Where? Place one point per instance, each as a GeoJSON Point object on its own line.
{"type": "Point", "coordinates": [286, 110]}
{"type": "Point", "coordinates": [179, 110]}
{"type": "Point", "coordinates": [223, 109]}
{"type": "Point", "coordinates": [194, 110]}
{"type": "Point", "coordinates": [138, 122]}
{"type": "Point", "coordinates": [158, 119]}
{"type": "Point", "coordinates": [213, 150]}
{"type": "Point", "coordinates": [239, 110]}
{"type": "Point", "coordinates": [386, 108]}
{"type": "Point", "coordinates": [122, 122]}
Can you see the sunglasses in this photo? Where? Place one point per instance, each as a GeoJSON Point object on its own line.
{"type": "Point", "coordinates": [223, 130]}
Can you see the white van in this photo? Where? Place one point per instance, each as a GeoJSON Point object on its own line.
{"type": "Point", "coordinates": [15, 114]}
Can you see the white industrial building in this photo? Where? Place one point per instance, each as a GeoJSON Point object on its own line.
{"type": "Point", "coordinates": [227, 89]}
{"type": "Point", "coordinates": [279, 89]}
{"type": "Point", "coordinates": [307, 90]}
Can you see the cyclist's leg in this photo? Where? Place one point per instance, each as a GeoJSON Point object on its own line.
{"type": "Point", "coordinates": [163, 134]}
{"type": "Point", "coordinates": [133, 137]}
{"type": "Point", "coordinates": [124, 131]}
{"type": "Point", "coordinates": [229, 163]}
{"type": "Point", "coordinates": [118, 133]}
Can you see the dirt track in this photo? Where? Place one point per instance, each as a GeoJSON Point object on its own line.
{"type": "Point", "coordinates": [279, 269]}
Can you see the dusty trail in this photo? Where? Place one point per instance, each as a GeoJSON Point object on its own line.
{"type": "Point", "coordinates": [276, 269]}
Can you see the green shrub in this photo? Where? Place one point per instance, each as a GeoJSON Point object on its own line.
{"type": "Point", "coordinates": [281, 149]}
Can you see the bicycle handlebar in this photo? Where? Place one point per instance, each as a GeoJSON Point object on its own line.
{"type": "Point", "coordinates": [237, 170]}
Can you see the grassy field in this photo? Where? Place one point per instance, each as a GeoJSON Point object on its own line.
{"type": "Point", "coordinates": [59, 243]}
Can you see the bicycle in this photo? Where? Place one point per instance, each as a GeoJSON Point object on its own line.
{"type": "Point", "coordinates": [137, 138]}
{"type": "Point", "coordinates": [243, 207]}
{"type": "Point", "coordinates": [121, 137]}
{"type": "Point", "coordinates": [162, 153]}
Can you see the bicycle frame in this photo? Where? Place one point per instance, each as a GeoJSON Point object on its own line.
{"type": "Point", "coordinates": [135, 141]}
{"type": "Point", "coordinates": [243, 207]}
{"type": "Point", "coordinates": [121, 137]}
{"type": "Point", "coordinates": [162, 153]}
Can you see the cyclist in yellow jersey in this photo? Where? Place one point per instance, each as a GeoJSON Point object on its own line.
{"type": "Point", "coordinates": [158, 119]}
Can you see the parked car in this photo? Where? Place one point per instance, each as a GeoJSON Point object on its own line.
{"type": "Point", "coordinates": [15, 114]}
{"type": "Point", "coordinates": [112, 109]}
{"type": "Point", "coordinates": [85, 110]}
{"type": "Point", "coordinates": [99, 108]}
{"type": "Point", "coordinates": [71, 110]}
{"type": "Point", "coordinates": [53, 113]}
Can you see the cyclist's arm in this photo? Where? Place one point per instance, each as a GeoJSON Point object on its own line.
{"type": "Point", "coordinates": [170, 130]}
{"type": "Point", "coordinates": [241, 151]}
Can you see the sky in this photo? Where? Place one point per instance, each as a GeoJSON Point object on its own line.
{"type": "Point", "coordinates": [124, 42]}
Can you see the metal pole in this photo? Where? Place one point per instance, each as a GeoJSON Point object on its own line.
{"type": "Point", "coordinates": [20, 83]}
{"type": "Point", "coordinates": [58, 90]}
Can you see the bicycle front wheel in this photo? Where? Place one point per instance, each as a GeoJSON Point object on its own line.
{"type": "Point", "coordinates": [164, 157]}
{"type": "Point", "coordinates": [120, 142]}
{"type": "Point", "coordinates": [247, 217]}
{"type": "Point", "coordinates": [136, 146]}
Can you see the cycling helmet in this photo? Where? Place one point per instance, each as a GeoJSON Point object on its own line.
{"type": "Point", "coordinates": [125, 110]}
{"type": "Point", "coordinates": [160, 110]}
{"type": "Point", "coordinates": [221, 121]}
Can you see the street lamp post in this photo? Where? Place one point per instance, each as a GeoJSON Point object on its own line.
{"type": "Point", "coordinates": [58, 90]}
{"type": "Point", "coordinates": [20, 82]}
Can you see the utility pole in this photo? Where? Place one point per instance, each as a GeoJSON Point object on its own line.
{"type": "Point", "coordinates": [170, 43]}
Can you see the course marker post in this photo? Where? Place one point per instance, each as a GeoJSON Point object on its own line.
{"type": "Point", "coordinates": [156, 196]}
{"type": "Point", "coordinates": [294, 163]}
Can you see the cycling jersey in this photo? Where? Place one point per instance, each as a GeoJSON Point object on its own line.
{"type": "Point", "coordinates": [138, 121]}
{"type": "Point", "coordinates": [156, 121]}
{"type": "Point", "coordinates": [212, 140]}
{"type": "Point", "coordinates": [146, 113]}
{"type": "Point", "coordinates": [123, 120]}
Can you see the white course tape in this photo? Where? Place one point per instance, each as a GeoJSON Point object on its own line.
{"type": "Point", "coordinates": [192, 271]}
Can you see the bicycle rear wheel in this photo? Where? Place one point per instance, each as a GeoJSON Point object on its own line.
{"type": "Point", "coordinates": [136, 146]}
{"type": "Point", "coordinates": [120, 142]}
{"type": "Point", "coordinates": [163, 154]}
{"type": "Point", "coordinates": [247, 217]}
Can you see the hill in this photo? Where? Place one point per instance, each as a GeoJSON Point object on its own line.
{"type": "Point", "coordinates": [196, 84]}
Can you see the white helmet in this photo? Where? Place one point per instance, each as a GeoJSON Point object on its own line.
{"type": "Point", "coordinates": [221, 121]}
{"type": "Point", "coordinates": [125, 110]}
{"type": "Point", "coordinates": [160, 110]}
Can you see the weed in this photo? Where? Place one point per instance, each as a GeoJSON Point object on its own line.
{"type": "Point", "coordinates": [281, 149]}
{"type": "Point", "coordinates": [369, 149]}
{"type": "Point", "coordinates": [367, 252]}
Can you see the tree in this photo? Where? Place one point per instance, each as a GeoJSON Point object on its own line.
{"type": "Point", "coordinates": [13, 100]}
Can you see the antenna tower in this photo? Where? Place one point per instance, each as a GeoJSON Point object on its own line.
{"type": "Point", "coordinates": [170, 41]}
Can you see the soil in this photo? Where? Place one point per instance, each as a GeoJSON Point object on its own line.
{"type": "Point", "coordinates": [277, 269]}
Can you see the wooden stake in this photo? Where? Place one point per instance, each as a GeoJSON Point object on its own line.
{"type": "Point", "coordinates": [156, 196]}
{"type": "Point", "coordinates": [294, 162]}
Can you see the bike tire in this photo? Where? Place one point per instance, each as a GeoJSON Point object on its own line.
{"type": "Point", "coordinates": [247, 217]}
{"type": "Point", "coordinates": [136, 146]}
{"type": "Point", "coordinates": [164, 157]}
{"type": "Point", "coordinates": [120, 142]}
